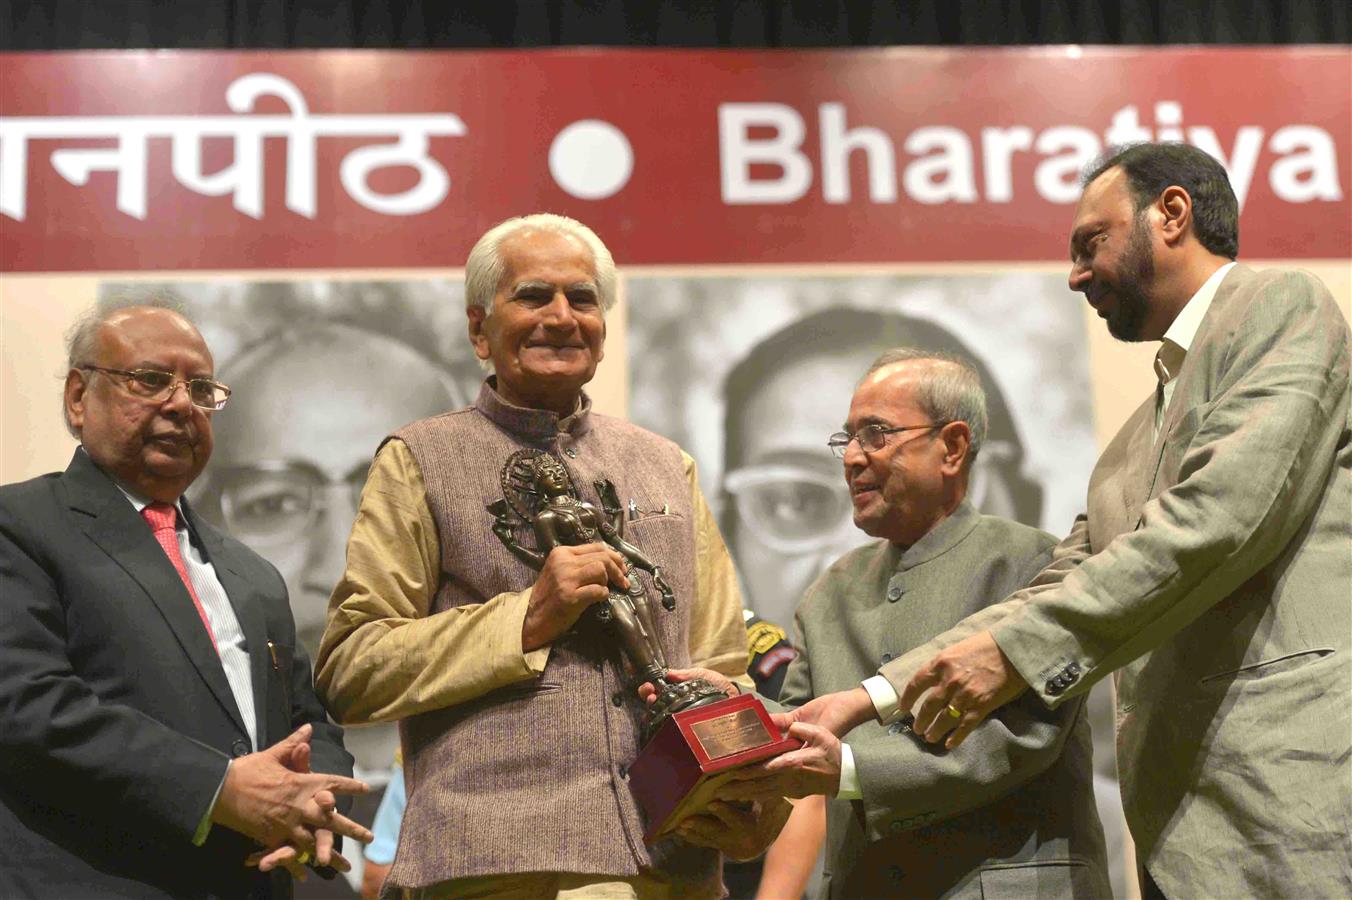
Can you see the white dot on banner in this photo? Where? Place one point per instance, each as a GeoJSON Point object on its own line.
{"type": "Point", "coordinates": [591, 159]}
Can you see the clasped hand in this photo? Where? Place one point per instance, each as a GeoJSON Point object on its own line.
{"type": "Point", "coordinates": [573, 578]}
{"type": "Point", "coordinates": [274, 798]}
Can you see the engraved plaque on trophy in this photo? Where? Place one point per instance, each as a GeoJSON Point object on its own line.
{"type": "Point", "coordinates": [679, 769]}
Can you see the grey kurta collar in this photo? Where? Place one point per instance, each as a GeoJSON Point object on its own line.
{"type": "Point", "coordinates": [941, 538]}
{"type": "Point", "coordinates": [531, 424]}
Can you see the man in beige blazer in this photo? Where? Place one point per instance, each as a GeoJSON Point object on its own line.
{"type": "Point", "coordinates": [1213, 568]}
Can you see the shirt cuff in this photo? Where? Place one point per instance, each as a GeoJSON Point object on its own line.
{"type": "Point", "coordinates": [535, 659]}
{"type": "Point", "coordinates": [884, 697]}
{"type": "Point", "coordinates": [199, 837]}
{"type": "Point", "coordinates": [849, 776]}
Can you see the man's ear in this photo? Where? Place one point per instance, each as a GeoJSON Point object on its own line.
{"type": "Point", "coordinates": [74, 396]}
{"type": "Point", "coordinates": [1175, 208]}
{"type": "Point", "coordinates": [476, 315]}
{"type": "Point", "coordinates": [957, 438]}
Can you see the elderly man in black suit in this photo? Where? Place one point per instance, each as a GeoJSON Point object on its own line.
{"type": "Point", "coordinates": [159, 733]}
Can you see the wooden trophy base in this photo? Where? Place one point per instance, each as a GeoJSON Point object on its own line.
{"type": "Point", "coordinates": [679, 770]}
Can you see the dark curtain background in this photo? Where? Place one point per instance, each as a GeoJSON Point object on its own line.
{"type": "Point", "coordinates": [245, 24]}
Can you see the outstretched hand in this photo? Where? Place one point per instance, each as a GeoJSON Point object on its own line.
{"type": "Point", "coordinates": [972, 678]}
{"type": "Point", "coordinates": [813, 768]}
{"type": "Point", "coordinates": [839, 713]}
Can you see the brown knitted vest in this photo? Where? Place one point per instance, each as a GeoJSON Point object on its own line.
{"type": "Point", "coordinates": [532, 777]}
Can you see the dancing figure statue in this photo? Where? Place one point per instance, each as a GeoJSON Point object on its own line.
{"type": "Point", "coordinates": [539, 491]}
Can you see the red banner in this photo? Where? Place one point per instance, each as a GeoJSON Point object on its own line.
{"type": "Point", "coordinates": [351, 159]}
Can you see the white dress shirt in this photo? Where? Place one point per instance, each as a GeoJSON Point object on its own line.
{"type": "Point", "coordinates": [224, 623]}
{"type": "Point", "coordinates": [225, 629]}
{"type": "Point", "coordinates": [1174, 348]}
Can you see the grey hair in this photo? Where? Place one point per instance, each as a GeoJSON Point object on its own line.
{"type": "Point", "coordinates": [83, 335]}
{"type": "Point", "coordinates": [949, 392]}
{"type": "Point", "coordinates": [484, 269]}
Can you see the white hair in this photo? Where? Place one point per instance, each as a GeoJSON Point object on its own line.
{"type": "Point", "coordinates": [948, 392]}
{"type": "Point", "coordinates": [484, 269]}
{"type": "Point", "coordinates": [82, 337]}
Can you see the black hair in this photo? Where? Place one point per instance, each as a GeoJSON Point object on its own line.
{"type": "Point", "coordinates": [1150, 168]}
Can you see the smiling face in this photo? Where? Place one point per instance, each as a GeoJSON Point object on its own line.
{"type": "Point", "coordinates": [155, 448]}
{"type": "Point", "coordinates": [1112, 259]}
{"type": "Point", "coordinates": [897, 491]}
{"type": "Point", "coordinates": [546, 333]}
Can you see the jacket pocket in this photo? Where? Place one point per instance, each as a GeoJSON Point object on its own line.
{"type": "Point", "coordinates": [524, 689]}
{"type": "Point", "coordinates": [1059, 878]}
{"type": "Point", "coordinates": [281, 658]}
{"type": "Point", "coordinates": [1284, 663]}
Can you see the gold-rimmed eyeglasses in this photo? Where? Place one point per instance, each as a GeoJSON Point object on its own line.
{"type": "Point", "coordinates": [157, 386]}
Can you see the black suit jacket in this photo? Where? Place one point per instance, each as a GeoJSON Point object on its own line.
{"type": "Point", "coordinates": [116, 719]}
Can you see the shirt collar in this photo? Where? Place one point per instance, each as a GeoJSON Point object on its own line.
{"type": "Point", "coordinates": [1178, 339]}
{"type": "Point", "coordinates": [538, 424]}
{"type": "Point", "coordinates": [141, 503]}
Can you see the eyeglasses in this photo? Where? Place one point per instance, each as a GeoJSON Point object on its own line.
{"type": "Point", "coordinates": [156, 386]}
{"type": "Point", "coordinates": [797, 510]}
{"type": "Point", "coordinates": [871, 437]}
{"type": "Point", "coordinates": [791, 509]}
{"type": "Point", "coordinates": [273, 501]}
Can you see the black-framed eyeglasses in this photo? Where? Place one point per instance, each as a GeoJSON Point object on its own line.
{"type": "Point", "coordinates": [156, 386]}
{"type": "Point", "coordinates": [872, 437]}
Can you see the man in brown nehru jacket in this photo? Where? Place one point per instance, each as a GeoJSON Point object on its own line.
{"type": "Point", "coordinates": [517, 726]}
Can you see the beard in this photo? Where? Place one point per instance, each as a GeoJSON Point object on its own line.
{"type": "Point", "coordinates": [1136, 270]}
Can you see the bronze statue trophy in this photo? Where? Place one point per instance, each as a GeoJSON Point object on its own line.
{"type": "Point", "coordinates": [692, 731]}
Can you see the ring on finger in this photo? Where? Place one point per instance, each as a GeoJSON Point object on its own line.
{"type": "Point", "coordinates": [304, 857]}
{"type": "Point", "coordinates": [953, 711]}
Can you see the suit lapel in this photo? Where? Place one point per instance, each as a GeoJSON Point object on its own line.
{"type": "Point", "coordinates": [112, 523]}
{"type": "Point", "coordinates": [1137, 466]}
{"type": "Point", "coordinates": [1191, 390]}
{"type": "Point", "coordinates": [248, 610]}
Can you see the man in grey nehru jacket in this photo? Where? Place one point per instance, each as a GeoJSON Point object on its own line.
{"type": "Point", "coordinates": [1012, 813]}
{"type": "Point", "coordinates": [517, 726]}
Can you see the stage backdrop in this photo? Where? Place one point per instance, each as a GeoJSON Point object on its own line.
{"type": "Point", "coordinates": [779, 217]}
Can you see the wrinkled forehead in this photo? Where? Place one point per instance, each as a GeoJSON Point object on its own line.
{"type": "Point", "coordinates": [888, 396]}
{"type": "Point", "coordinates": [533, 254]}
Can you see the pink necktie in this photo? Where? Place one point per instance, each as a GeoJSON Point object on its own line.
{"type": "Point", "coordinates": [162, 518]}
